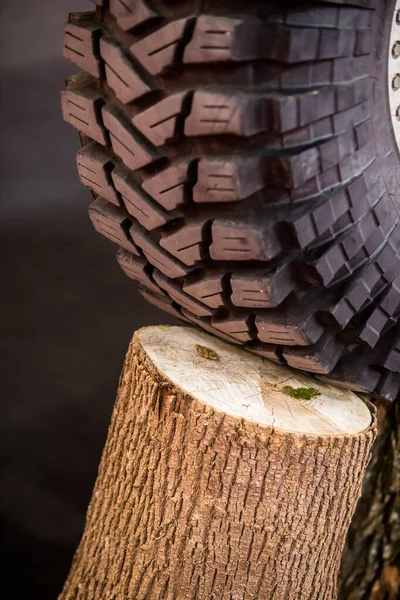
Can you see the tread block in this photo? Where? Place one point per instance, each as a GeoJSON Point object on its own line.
{"type": "Point", "coordinates": [319, 358]}
{"type": "Point", "coordinates": [188, 243]}
{"type": "Point", "coordinates": [315, 16]}
{"type": "Point", "coordinates": [241, 241]}
{"type": "Point", "coordinates": [137, 268]}
{"type": "Point", "coordinates": [309, 228]}
{"type": "Point", "coordinates": [349, 68]}
{"type": "Point", "coordinates": [353, 95]}
{"type": "Point", "coordinates": [236, 178]}
{"type": "Point", "coordinates": [130, 14]}
{"type": "Point", "coordinates": [341, 17]}
{"type": "Point", "coordinates": [262, 288]}
{"type": "Point", "coordinates": [347, 253]}
{"type": "Point", "coordinates": [227, 180]}
{"type": "Point", "coordinates": [236, 325]}
{"type": "Point", "coordinates": [335, 215]}
{"type": "Point", "coordinates": [296, 111]}
{"type": "Point", "coordinates": [94, 168]}
{"type": "Point", "coordinates": [292, 325]}
{"type": "Point", "coordinates": [180, 297]}
{"type": "Point", "coordinates": [137, 202]}
{"type": "Point", "coordinates": [336, 150]}
{"type": "Point", "coordinates": [113, 223]}
{"type": "Point", "coordinates": [337, 43]}
{"type": "Point", "coordinates": [312, 106]}
{"type": "Point", "coordinates": [206, 325]}
{"type": "Point", "coordinates": [158, 257]}
{"type": "Point", "coordinates": [352, 18]}
{"type": "Point", "coordinates": [354, 372]}
{"type": "Point", "coordinates": [389, 386]}
{"type": "Point", "coordinates": [353, 3]}
{"type": "Point", "coordinates": [358, 295]}
{"type": "Point", "coordinates": [385, 315]}
{"type": "Point", "coordinates": [169, 188]}
{"type": "Point", "coordinates": [292, 45]}
{"type": "Point", "coordinates": [120, 73]}
{"type": "Point", "coordinates": [269, 351]}
{"type": "Point", "coordinates": [212, 40]}
{"type": "Point", "coordinates": [326, 181]}
{"type": "Point", "coordinates": [369, 284]}
{"type": "Point", "coordinates": [319, 73]}
{"type": "Point", "coordinates": [161, 122]}
{"type": "Point", "coordinates": [81, 37]}
{"type": "Point", "coordinates": [353, 117]}
{"type": "Point", "coordinates": [221, 113]}
{"type": "Point", "coordinates": [81, 107]}
{"type": "Point", "coordinates": [319, 109]}
{"type": "Point", "coordinates": [84, 139]}
{"type": "Point", "coordinates": [209, 289]}
{"type": "Point", "coordinates": [303, 166]}
{"type": "Point", "coordinates": [363, 43]}
{"type": "Point", "coordinates": [392, 360]}
{"type": "Point", "coordinates": [134, 151]}
{"type": "Point", "coordinates": [217, 39]}
{"type": "Point", "coordinates": [162, 302]}
{"type": "Point", "coordinates": [157, 52]}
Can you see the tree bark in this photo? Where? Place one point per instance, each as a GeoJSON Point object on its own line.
{"type": "Point", "coordinates": [371, 561]}
{"type": "Point", "coordinates": [216, 482]}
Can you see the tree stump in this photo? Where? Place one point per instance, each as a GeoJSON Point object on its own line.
{"type": "Point", "coordinates": [224, 476]}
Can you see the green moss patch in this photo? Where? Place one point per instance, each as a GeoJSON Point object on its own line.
{"type": "Point", "coordinates": [301, 393]}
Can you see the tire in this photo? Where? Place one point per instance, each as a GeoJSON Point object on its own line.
{"type": "Point", "coordinates": [242, 157]}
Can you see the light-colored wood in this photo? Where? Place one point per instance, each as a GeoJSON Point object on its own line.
{"type": "Point", "coordinates": [243, 385]}
{"type": "Point", "coordinates": [201, 496]}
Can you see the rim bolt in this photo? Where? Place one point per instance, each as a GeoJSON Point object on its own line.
{"type": "Point", "coordinates": [398, 113]}
{"type": "Point", "coordinates": [396, 82]}
{"type": "Point", "coordinates": [396, 50]}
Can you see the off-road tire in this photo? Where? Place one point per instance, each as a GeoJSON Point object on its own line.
{"type": "Point", "coordinates": [242, 157]}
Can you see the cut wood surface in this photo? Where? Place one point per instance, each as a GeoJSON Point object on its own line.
{"type": "Point", "coordinates": [257, 389]}
{"type": "Point", "coordinates": [224, 476]}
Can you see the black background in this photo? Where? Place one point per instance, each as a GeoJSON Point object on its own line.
{"type": "Point", "coordinates": [67, 312]}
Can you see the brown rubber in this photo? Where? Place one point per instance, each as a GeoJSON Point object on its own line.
{"type": "Point", "coordinates": [240, 160]}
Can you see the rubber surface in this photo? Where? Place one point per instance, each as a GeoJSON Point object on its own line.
{"type": "Point", "coordinates": [241, 156]}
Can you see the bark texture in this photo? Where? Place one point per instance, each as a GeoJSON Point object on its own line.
{"type": "Point", "coordinates": [371, 561]}
{"type": "Point", "coordinates": [191, 503]}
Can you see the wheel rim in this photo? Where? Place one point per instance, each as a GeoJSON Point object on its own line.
{"type": "Point", "coordinates": [394, 73]}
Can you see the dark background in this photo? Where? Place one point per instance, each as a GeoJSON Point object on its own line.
{"type": "Point", "coordinates": [67, 312]}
